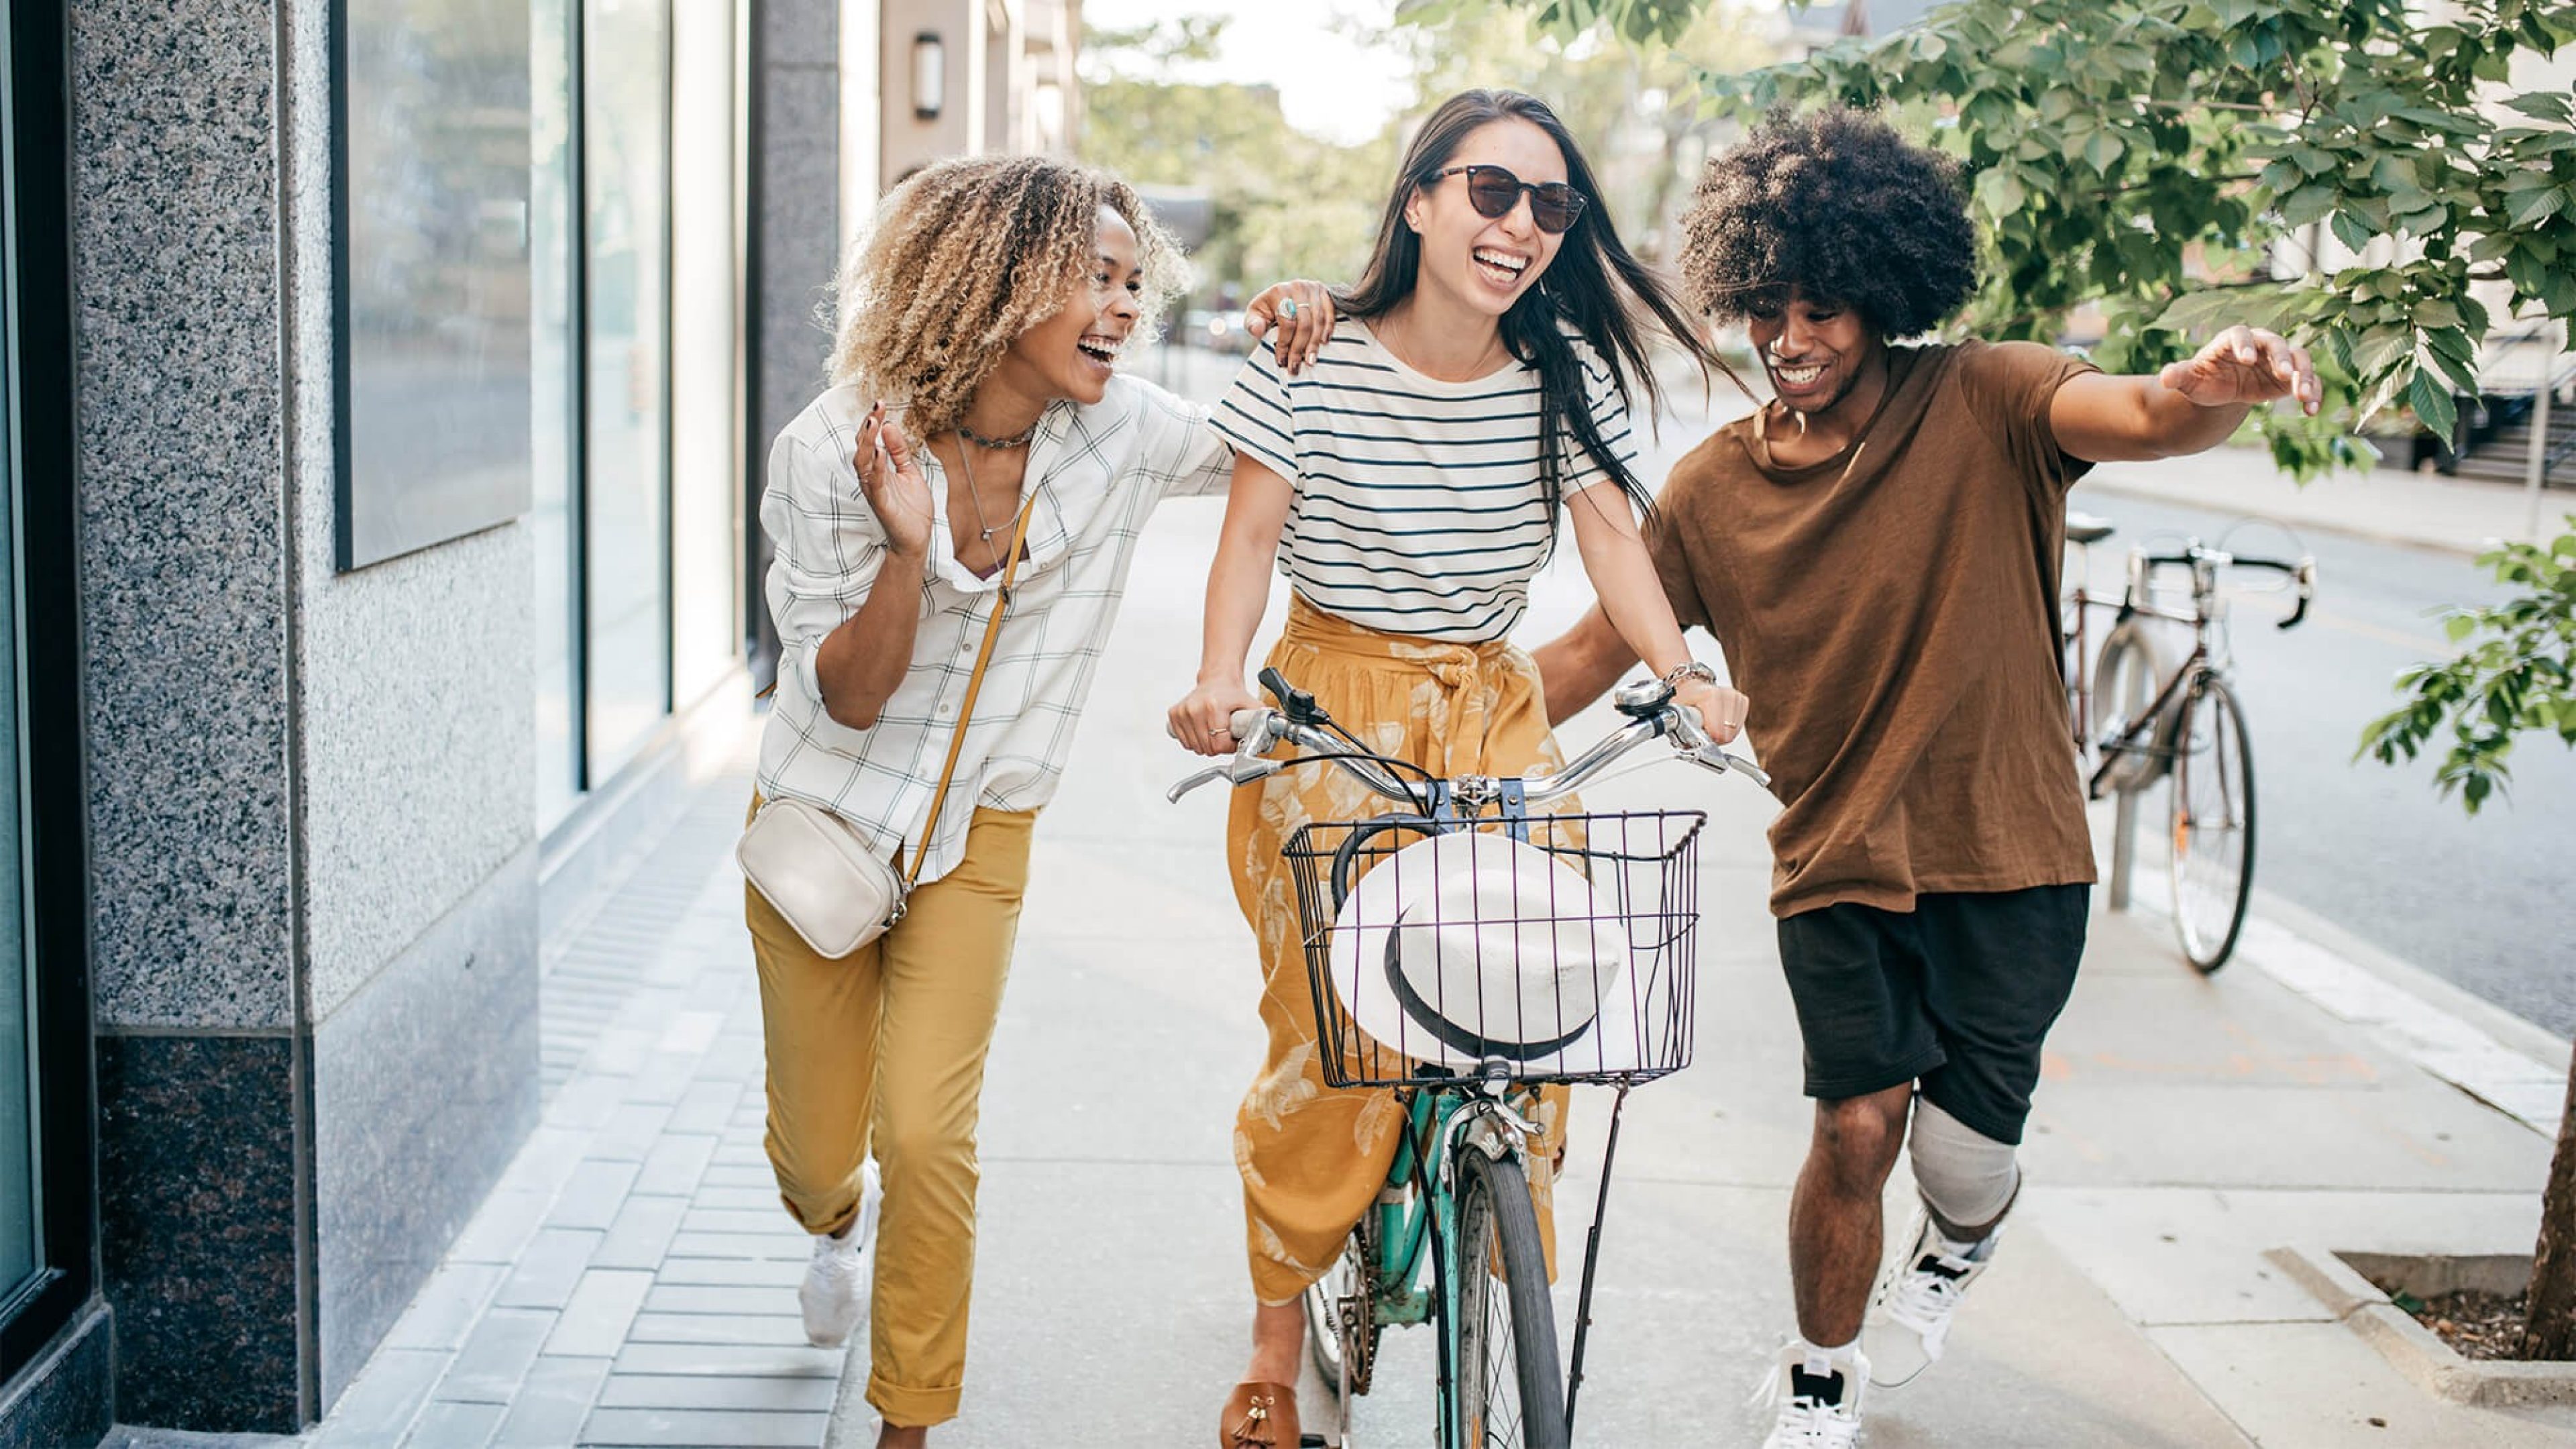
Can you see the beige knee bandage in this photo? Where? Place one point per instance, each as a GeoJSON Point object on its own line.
{"type": "Point", "coordinates": [1967, 1177]}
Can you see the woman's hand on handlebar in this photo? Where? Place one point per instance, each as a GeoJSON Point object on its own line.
{"type": "Point", "coordinates": [1721, 710]}
{"type": "Point", "coordinates": [1202, 721]}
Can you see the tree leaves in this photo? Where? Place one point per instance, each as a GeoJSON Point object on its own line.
{"type": "Point", "coordinates": [2433, 405]}
{"type": "Point", "coordinates": [2514, 674]}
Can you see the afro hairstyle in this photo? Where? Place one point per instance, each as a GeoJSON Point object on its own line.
{"type": "Point", "coordinates": [1838, 205]}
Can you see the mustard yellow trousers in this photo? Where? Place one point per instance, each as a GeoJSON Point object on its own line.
{"type": "Point", "coordinates": [1312, 1156]}
{"type": "Point", "coordinates": [884, 1049]}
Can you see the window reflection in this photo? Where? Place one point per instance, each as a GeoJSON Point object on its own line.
{"type": "Point", "coordinates": [437, 303]}
{"type": "Point", "coordinates": [626, 143]}
{"type": "Point", "coordinates": [550, 300]}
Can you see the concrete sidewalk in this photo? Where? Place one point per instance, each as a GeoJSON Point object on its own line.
{"type": "Point", "coordinates": [632, 1282]}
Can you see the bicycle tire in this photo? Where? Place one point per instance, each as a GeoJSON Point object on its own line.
{"type": "Point", "coordinates": [2126, 675]}
{"type": "Point", "coordinates": [2212, 863]}
{"type": "Point", "coordinates": [1509, 1395]}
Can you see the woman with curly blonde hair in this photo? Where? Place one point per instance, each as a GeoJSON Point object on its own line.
{"type": "Point", "coordinates": [987, 304]}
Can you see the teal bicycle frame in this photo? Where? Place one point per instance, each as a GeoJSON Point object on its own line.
{"type": "Point", "coordinates": [1419, 1214]}
{"type": "Point", "coordinates": [1459, 1177]}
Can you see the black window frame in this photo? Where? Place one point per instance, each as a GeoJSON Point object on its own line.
{"type": "Point", "coordinates": [40, 226]}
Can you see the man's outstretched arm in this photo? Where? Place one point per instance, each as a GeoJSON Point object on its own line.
{"type": "Point", "coordinates": [2189, 407]}
{"type": "Point", "coordinates": [1579, 665]}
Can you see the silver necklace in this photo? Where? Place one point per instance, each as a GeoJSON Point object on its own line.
{"type": "Point", "coordinates": [973, 498]}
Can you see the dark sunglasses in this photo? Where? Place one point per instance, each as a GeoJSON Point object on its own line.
{"type": "Point", "coordinates": [1494, 191]}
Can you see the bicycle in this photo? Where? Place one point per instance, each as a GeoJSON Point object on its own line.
{"type": "Point", "coordinates": [1466, 1070]}
{"type": "Point", "coordinates": [2137, 721]}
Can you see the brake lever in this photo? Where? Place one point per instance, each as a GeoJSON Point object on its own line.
{"type": "Point", "coordinates": [1255, 730]}
{"type": "Point", "coordinates": [1208, 776]}
{"type": "Point", "coordinates": [2306, 577]}
{"type": "Point", "coordinates": [1237, 771]}
{"type": "Point", "coordinates": [1724, 763]}
{"type": "Point", "coordinates": [1693, 742]}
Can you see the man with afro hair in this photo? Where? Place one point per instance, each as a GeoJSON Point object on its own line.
{"type": "Point", "coordinates": [1876, 550]}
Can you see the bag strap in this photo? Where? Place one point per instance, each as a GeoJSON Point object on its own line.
{"type": "Point", "coordinates": [974, 686]}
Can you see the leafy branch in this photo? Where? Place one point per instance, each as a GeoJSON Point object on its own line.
{"type": "Point", "coordinates": [2516, 675]}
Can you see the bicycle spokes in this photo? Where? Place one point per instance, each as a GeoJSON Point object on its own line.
{"type": "Point", "coordinates": [2212, 827]}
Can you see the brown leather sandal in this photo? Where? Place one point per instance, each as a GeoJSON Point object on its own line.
{"type": "Point", "coordinates": [1259, 1416]}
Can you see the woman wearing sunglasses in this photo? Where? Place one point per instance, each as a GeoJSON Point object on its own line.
{"type": "Point", "coordinates": [1408, 482]}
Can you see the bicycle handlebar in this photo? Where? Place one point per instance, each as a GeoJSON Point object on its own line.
{"type": "Point", "coordinates": [1648, 705]}
{"type": "Point", "coordinates": [2301, 571]}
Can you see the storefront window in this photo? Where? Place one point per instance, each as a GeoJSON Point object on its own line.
{"type": "Point", "coordinates": [626, 89]}
{"type": "Point", "coordinates": [550, 295]}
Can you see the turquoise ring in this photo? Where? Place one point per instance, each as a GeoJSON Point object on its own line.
{"type": "Point", "coordinates": [1288, 309]}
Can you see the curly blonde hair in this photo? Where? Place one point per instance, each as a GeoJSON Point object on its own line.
{"type": "Point", "coordinates": [967, 255]}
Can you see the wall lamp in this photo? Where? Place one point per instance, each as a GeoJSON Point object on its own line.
{"type": "Point", "coordinates": [929, 75]}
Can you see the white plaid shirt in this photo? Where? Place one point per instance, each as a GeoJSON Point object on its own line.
{"type": "Point", "coordinates": [1098, 472]}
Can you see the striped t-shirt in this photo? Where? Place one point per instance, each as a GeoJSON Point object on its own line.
{"type": "Point", "coordinates": [1419, 507]}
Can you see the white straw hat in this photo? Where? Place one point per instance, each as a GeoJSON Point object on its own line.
{"type": "Point", "coordinates": [1468, 947]}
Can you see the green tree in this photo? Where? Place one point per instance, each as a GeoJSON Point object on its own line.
{"type": "Point", "coordinates": [1285, 204]}
{"type": "Point", "coordinates": [2154, 157]}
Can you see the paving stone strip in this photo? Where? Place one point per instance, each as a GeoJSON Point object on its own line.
{"type": "Point", "coordinates": [631, 1280]}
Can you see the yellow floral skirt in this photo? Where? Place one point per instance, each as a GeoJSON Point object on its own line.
{"type": "Point", "coordinates": [1312, 1156]}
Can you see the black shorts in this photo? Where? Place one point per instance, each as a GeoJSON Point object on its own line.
{"type": "Point", "coordinates": [1958, 994]}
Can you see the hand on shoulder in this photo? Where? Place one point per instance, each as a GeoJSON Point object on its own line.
{"type": "Point", "coordinates": [1297, 317]}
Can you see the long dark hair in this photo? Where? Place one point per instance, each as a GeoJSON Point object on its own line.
{"type": "Point", "coordinates": [1594, 286]}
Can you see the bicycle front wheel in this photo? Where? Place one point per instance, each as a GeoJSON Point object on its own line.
{"type": "Point", "coordinates": [2213, 825]}
{"type": "Point", "coordinates": [1510, 1394]}
{"type": "Point", "coordinates": [2126, 678]}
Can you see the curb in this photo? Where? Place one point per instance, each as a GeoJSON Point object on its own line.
{"type": "Point", "coordinates": [2414, 1350]}
{"type": "Point", "coordinates": [2510, 1064]}
{"type": "Point", "coordinates": [2526, 1037]}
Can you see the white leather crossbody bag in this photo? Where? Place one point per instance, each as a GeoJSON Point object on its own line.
{"type": "Point", "coordinates": [823, 878]}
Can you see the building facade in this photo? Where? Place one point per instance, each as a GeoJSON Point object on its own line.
{"type": "Point", "coordinates": [385, 386]}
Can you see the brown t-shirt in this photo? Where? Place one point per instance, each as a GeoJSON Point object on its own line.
{"type": "Point", "coordinates": [1892, 613]}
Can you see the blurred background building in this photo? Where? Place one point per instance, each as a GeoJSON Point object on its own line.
{"type": "Point", "coordinates": [386, 384]}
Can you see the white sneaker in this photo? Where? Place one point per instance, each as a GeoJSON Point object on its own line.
{"type": "Point", "coordinates": [837, 1282]}
{"type": "Point", "coordinates": [1909, 1319]}
{"type": "Point", "coordinates": [1818, 1397]}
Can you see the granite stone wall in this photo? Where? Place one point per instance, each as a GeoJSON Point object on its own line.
{"type": "Point", "coordinates": [63, 1398]}
{"type": "Point", "coordinates": [311, 793]}
{"type": "Point", "coordinates": [796, 88]}
{"type": "Point", "coordinates": [795, 239]}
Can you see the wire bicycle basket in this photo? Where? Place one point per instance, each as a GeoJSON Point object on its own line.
{"type": "Point", "coordinates": [1551, 948]}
